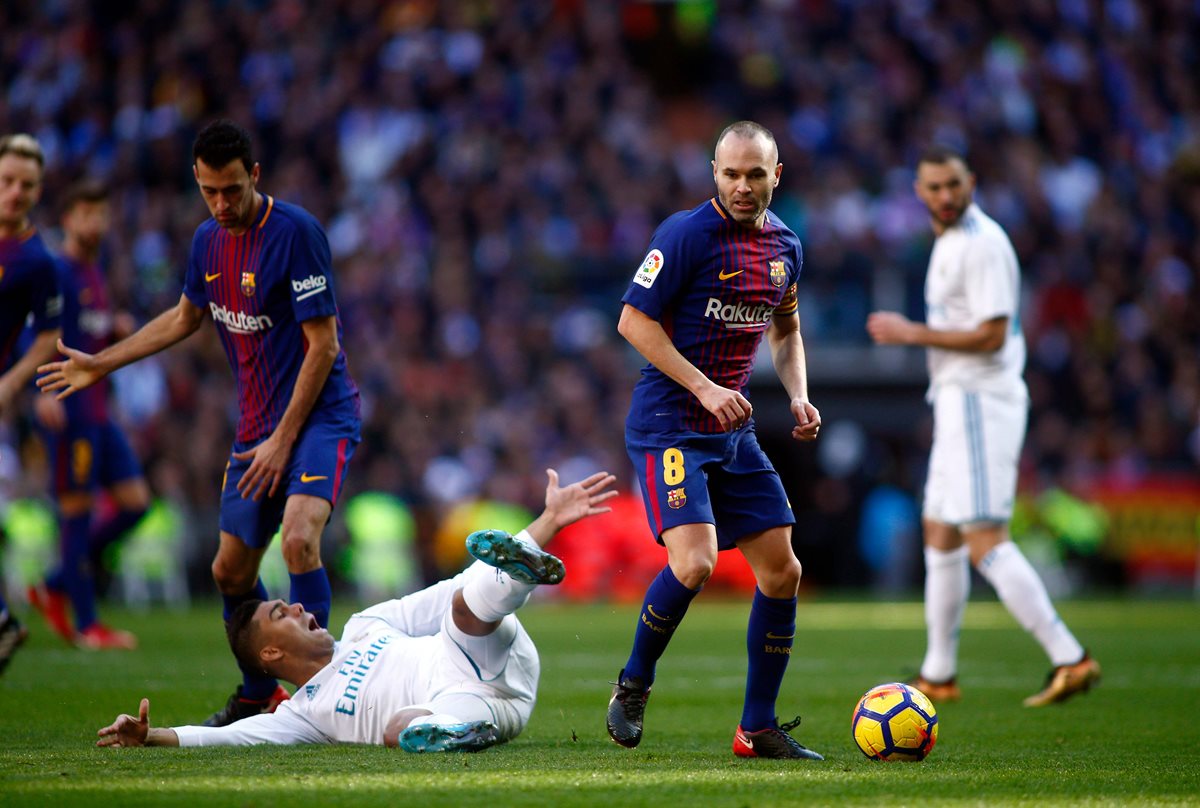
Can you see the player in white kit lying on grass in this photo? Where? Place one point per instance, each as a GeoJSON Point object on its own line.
{"type": "Point", "coordinates": [444, 669]}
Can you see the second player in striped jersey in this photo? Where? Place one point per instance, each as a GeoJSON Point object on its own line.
{"type": "Point", "coordinates": [716, 280]}
{"type": "Point", "coordinates": [261, 269]}
{"type": "Point", "coordinates": [28, 287]}
{"type": "Point", "coordinates": [86, 449]}
{"type": "Point", "coordinates": [28, 281]}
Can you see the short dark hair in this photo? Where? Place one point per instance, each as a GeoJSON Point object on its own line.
{"type": "Point", "coordinates": [85, 190]}
{"type": "Point", "coordinates": [749, 129]}
{"type": "Point", "coordinates": [940, 155]}
{"type": "Point", "coordinates": [242, 633]}
{"type": "Point", "coordinates": [23, 145]}
{"type": "Point", "coordinates": [221, 142]}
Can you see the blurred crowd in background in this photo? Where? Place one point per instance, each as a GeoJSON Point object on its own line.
{"type": "Point", "coordinates": [489, 174]}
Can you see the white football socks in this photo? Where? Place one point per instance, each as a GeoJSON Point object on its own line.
{"type": "Point", "coordinates": [947, 584]}
{"type": "Point", "coordinates": [491, 594]}
{"type": "Point", "coordinates": [1024, 595]}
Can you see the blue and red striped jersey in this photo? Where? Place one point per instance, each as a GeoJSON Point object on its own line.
{"type": "Point", "coordinates": [713, 285]}
{"type": "Point", "coordinates": [87, 324]}
{"type": "Point", "coordinates": [28, 285]}
{"type": "Point", "coordinates": [259, 287]}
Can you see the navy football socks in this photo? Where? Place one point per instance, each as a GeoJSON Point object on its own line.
{"type": "Point", "coordinates": [255, 686]}
{"type": "Point", "coordinates": [112, 529]}
{"type": "Point", "coordinates": [769, 636]}
{"type": "Point", "coordinates": [312, 590]}
{"type": "Point", "coordinates": [73, 575]}
{"type": "Point", "coordinates": [666, 603]}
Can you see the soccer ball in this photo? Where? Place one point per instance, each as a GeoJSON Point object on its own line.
{"type": "Point", "coordinates": [895, 722]}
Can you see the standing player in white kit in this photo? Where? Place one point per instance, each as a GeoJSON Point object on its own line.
{"type": "Point", "coordinates": [976, 354]}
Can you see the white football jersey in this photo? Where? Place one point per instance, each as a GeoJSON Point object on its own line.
{"type": "Point", "coordinates": [391, 656]}
{"type": "Point", "coordinates": [974, 277]}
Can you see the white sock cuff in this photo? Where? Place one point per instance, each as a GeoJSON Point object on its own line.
{"type": "Point", "coordinates": [526, 537]}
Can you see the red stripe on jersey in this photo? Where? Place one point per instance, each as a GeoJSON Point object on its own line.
{"type": "Point", "coordinates": [341, 465]}
{"type": "Point", "coordinates": [233, 255]}
{"type": "Point", "coordinates": [265, 357]}
{"type": "Point", "coordinates": [261, 357]}
{"type": "Point", "coordinates": [255, 342]}
{"type": "Point", "coordinates": [652, 489]}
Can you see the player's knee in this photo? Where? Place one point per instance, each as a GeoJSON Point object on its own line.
{"type": "Point", "coordinates": [138, 501]}
{"type": "Point", "coordinates": [693, 571]}
{"type": "Point", "coordinates": [301, 552]}
{"type": "Point", "coordinates": [132, 495]}
{"type": "Point", "coordinates": [782, 581]}
{"type": "Point", "coordinates": [232, 579]}
{"type": "Point", "coordinates": [74, 503]}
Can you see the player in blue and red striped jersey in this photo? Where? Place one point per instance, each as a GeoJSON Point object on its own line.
{"type": "Point", "coordinates": [87, 451]}
{"type": "Point", "coordinates": [28, 283]}
{"type": "Point", "coordinates": [715, 281]}
{"type": "Point", "coordinates": [28, 286]}
{"type": "Point", "coordinates": [261, 268]}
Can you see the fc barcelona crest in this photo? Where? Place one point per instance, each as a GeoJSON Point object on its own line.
{"type": "Point", "coordinates": [677, 498]}
{"type": "Point", "coordinates": [248, 287]}
{"type": "Point", "coordinates": [778, 273]}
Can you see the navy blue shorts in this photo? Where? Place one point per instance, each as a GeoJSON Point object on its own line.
{"type": "Point", "coordinates": [724, 480]}
{"type": "Point", "coordinates": [317, 467]}
{"type": "Point", "coordinates": [90, 456]}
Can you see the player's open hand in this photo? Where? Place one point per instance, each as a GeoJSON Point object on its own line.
{"type": "Point", "coordinates": [67, 376]}
{"type": "Point", "coordinates": [728, 406]}
{"type": "Point", "coordinates": [127, 730]}
{"type": "Point", "coordinates": [808, 420]}
{"type": "Point", "coordinates": [268, 461]}
{"type": "Point", "coordinates": [578, 500]}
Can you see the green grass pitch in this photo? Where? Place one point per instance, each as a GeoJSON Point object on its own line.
{"type": "Point", "coordinates": [1133, 740]}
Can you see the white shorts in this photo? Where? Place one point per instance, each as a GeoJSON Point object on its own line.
{"type": "Point", "coordinates": [492, 678]}
{"type": "Point", "coordinates": [977, 440]}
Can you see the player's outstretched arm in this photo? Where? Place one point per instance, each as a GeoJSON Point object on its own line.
{"type": "Point", "coordinates": [892, 328]}
{"type": "Point", "coordinates": [565, 506]}
{"type": "Point", "coordinates": [130, 731]}
{"type": "Point", "coordinates": [80, 370]}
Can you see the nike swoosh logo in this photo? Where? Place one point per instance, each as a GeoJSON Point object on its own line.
{"type": "Point", "coordinates": [772, 636]}
{"type": "Point", "coordinates": [210, 278]}
{"type": "Point", "coordinates": [749, 744]}
{"type": "Point", "coordinates": [724, 276]}
{"type": "Point", "coordinates": [311, 478]}
{"type": "Point", "coordinates": [656, 615]}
